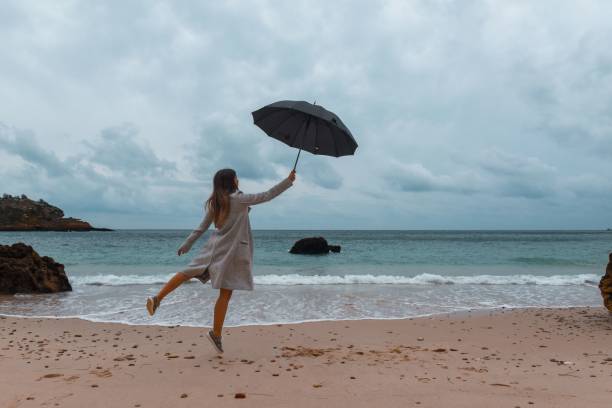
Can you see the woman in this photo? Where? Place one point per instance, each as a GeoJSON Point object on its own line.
{"type": "Point", "coordinates": [227, 257]}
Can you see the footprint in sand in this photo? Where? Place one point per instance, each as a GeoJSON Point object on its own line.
{"type": "Point", "coordinates": [128, 357]}
{"type": "Point", "coordinates": [52, 375]}
{"type": "Point", "coordinates": [102, 373]}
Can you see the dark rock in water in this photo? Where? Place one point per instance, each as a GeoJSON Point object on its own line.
{"type": "Point", "coordinates": [605, 285]}
{"type": "Point", "coordinates": [334, 248]}
{"type": "Point", "coordinates": [23, 214]}
{"type": "Point", "coordinates": [22, 270]}
{"type": "Point", "coordinates": [313, 246]}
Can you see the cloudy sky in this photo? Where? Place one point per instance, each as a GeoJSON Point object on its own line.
{"type": "Point", "coordinates": [468, 114]}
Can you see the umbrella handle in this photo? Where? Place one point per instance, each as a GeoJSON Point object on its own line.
{"type": "Point", "coordinates": [296, 159]}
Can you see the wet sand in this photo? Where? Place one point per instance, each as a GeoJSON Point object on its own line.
{"type": "Point", "coordinates": [505, 358]}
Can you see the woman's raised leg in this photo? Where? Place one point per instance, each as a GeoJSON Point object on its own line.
{"type": "Point", "coordinates": [221, 310]}
{"type": "Point", "coordinates": [177, 280]}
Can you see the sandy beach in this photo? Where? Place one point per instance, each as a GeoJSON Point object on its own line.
{"type": "Point", "coordinates": [510, 358]}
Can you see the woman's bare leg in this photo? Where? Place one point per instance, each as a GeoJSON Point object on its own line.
{"type": "Point", "coordinates": [221, 310]}
{"type": "Point", "coordinates": [172, 284]}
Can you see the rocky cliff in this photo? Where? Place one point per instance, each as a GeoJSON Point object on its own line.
{"type": "Point", "coordinates": [23, 214]}
{"type": "Point", "coordinates": [605, 285]}
{"type": "Point", "coordinates": [22, 270]}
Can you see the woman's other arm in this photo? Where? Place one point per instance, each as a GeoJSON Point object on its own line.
{"type": "Point", "coordinates": [195, 234]}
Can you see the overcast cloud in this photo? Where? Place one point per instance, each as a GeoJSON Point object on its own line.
{"type": "Point", "coordinates": [480, 114]}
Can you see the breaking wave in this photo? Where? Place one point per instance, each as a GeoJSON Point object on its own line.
{"type": "Point", "coordinates": [421, 279]}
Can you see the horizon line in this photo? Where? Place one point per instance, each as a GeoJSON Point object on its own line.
{"type": "Point", "coordinates": [366, 229]}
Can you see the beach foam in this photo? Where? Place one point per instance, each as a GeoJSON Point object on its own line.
{"type": "Point", "coordinates": [421, 279]}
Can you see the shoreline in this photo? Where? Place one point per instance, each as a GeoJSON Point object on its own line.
{"type": "Point", "coordinates": [451, 314]}
{"type": "Point", "coordinates": [517, 358]}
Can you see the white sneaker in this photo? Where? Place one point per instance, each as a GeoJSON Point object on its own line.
{"type": "Point", "coordinates": [216, 341]}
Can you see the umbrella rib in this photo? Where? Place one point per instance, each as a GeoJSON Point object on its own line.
{"type": "Point", "coordinates": [270, 112]}
{"type": "Point", "coordinates": [316, 136]}
{"type": "Point", "coordinates": [304, 126]}
{"type": "Point", "coordinates": [331, 132]}
{"type": "Point", "coordinates": [293, 113]}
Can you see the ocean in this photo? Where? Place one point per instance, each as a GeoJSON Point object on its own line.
{"type": "Point", "coordinates": [378, 274]}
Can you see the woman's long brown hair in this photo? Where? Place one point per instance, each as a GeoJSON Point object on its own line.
{"type": "Point", "coordinates": [218, 204]}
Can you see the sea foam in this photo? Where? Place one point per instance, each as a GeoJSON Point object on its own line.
{"type": "Point", "coordinates": [365, 279]}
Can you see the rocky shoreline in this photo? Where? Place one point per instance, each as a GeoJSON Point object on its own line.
{"type": "Point", "coordinates": [605, 285]}
{"type": "Point", "coordinates": [23, 214]}
{"type": "Point", "coordinates": [23, 270]}
{"type": "Point", "coordinates": [72, 226]}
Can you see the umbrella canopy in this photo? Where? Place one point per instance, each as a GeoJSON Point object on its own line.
{"type": "Point", "coordinates": [306, 126]}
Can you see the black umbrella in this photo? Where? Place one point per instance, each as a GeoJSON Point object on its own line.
{"type": "Point", "coordinates": [306, 126]}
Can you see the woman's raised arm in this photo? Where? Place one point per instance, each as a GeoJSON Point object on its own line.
{"type": "Point", "coordinates": [258, 198]}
